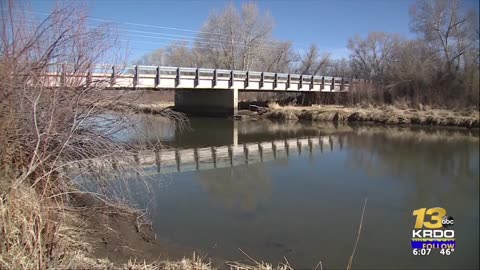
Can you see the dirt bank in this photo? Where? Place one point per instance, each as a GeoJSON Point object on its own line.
{"type": "Point", "coordinates": [117, 237]}
{"type": "Point", "coordinates": [116, 233]}
{"type": "Point", "coordinates": [391, 115]}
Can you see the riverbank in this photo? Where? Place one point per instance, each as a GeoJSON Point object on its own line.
{"type": "Point", "coordinates": [387, 114]}
{"type": "Point", "coordinates": [390, 115]}
{"type": "Point", "coordinates": [83, 231]}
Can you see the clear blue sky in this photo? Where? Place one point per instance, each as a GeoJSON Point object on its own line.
{"type": "Point", "coordinates": [328, 24]}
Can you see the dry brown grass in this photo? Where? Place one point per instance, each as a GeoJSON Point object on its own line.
{"type": "Point", "coordinates": [37, 234]}
{"type": "Point", "coordinates": [256, 265]}
{"type": "Point", "coordinates": [34, 234]}
{"type": "Point", "coordinates": [386, 114]}
{"type": "Point", "coordinates": [24, 223]}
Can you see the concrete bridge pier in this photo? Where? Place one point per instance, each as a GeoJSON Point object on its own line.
{"type": "Point", "coordinates": [207, 102]}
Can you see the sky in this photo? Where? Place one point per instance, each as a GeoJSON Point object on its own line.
{"type": "Point", "coordinates": [149, 24]}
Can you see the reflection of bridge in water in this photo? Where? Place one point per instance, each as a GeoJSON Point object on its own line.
{"type": "Point", "coordinates": [212, 157]}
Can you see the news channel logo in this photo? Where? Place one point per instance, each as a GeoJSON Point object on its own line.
{"type": "Point", "coordinates": [433, 230]}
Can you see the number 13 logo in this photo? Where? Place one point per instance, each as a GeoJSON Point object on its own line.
{"type": "Point", "coordinates": [436, 214]}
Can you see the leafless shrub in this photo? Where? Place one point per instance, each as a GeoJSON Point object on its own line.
{"type": "Point", "coordinates": [52, 117]}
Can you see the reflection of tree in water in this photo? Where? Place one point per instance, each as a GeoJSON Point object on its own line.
{"type": "Point", "coordinates": [242, 187]}
{"type": "Point", "coordinates": [144, 129]}
{"type": "Point", "coordinates": [153, 129]}
{"type": "Point", "coordinates": [440, 162]}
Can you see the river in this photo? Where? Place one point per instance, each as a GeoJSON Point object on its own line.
{"type": "Point", "coordinates": [300, 189]}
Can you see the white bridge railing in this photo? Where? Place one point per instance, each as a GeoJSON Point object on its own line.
{"type": "Point", "coordinates": [161, 77]}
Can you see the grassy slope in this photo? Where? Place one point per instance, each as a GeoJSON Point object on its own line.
{"type": "Point", "coordinates": [384, 114]}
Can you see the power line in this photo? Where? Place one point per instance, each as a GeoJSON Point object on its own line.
{"type": "Point", "coordinates": [166, 34]}
{"type": "Point", "coordinates": [173, 28]}
{"type": "Point", "coordinates": [158, 43]}
{"type": "Point", "coordinates": [235, 44]}
{"type": "Point", "coordinates": [209, 41]}
{"type": "Point", "coordinates": [161, 43]}
{"type": "Point", "coordinates": [128, 23]}
{"type": "Point", "coordinates": [203, 40]}
{"type": "Point", "coordinates": [174, 35]}
{"type": "Point", "coordinates": [154, 26]}
{"type": "Point", "coordinates": [136, 41]}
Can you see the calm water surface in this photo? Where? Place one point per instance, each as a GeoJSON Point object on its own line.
{"type": "Point", "coordinates": [307, 206]}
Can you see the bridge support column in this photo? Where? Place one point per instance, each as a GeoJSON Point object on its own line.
{"type": "Point", "coordinates": [207, 102]}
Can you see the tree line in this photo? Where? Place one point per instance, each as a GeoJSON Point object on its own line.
{"type": "Point", "coordinates": [440, 66]}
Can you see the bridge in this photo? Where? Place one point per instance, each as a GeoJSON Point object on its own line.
{"type": "Point", "coordinates": [197, 89]}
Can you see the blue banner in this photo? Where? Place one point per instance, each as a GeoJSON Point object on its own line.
{"type": "Point", "coordinates": [434, 244]}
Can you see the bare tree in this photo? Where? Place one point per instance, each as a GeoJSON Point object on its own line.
{"type": "Point", "coordinates": [451, 33]}
{"type": "Point", "coordinates": [371, 56]}
{"type": "Point", "coordinates": [231, 39]}
{"type": "Point", "coordinates": [236, 39]}
{"type": "Point", "coordinates": [219, 36]}
{"type": "Point", "coordinates": [339, 68]}
{"type": "Point", "coordinates": [446, 28]}
{"type": "Point", "coordinates": [440, 67]}
{"type": "Point", "coordinates": [179, 55]}
{"type": "Point", "coordinates": [157, 57]}
{"type": "Point", "coordinates": [311, 63]}
{"type": "Point", "coordinates": [277, 58]}
{"type": "Point", "coordinates": [255, 35]}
